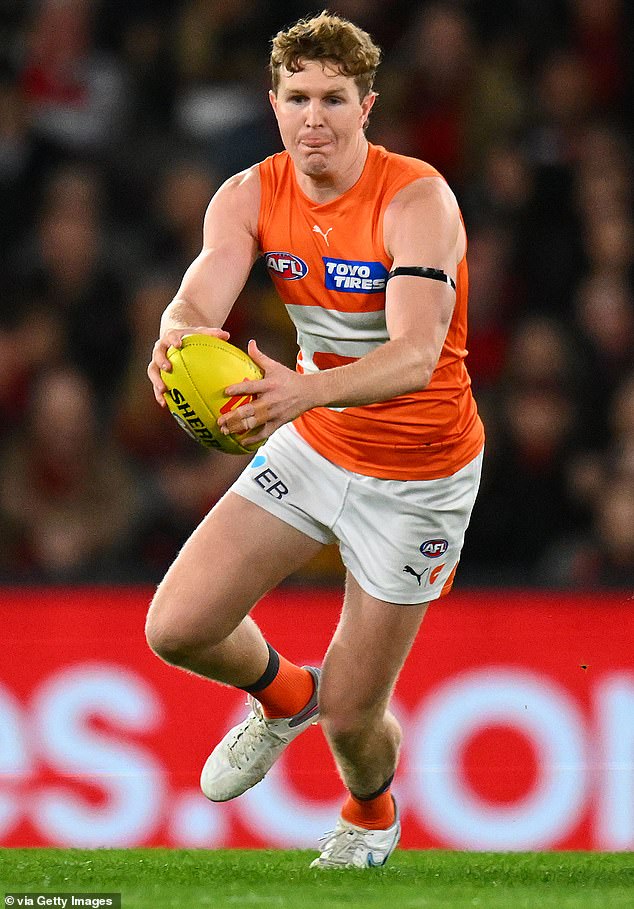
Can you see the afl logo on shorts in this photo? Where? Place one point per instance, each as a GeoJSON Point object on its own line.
{"type": "Point", "coordinates": [433, 549]}
{"type": "Point", "coordinates": [286, 266]}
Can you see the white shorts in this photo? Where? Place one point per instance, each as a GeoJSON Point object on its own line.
{"type": "Point", "coordinates": [400, 539]}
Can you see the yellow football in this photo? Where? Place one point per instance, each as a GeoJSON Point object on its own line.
{"type": "Point", "coordinates": [201, 370]}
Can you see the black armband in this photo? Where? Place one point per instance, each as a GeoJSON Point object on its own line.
{"type": "Point", "coordinates": [436, 274]}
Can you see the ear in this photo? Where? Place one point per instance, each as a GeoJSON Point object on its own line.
{"type": "Point", "coordinates": [273, 100]}
{"type": "Point", "coordinates": [366, 106]}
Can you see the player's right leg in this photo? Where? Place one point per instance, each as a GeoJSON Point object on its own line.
{"type": "Point", "coordinates": [198, 618]}
{"type": "Point", "coordinates": [199, 621]}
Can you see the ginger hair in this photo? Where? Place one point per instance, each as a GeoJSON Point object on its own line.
{"type": "Point", "coordinates": [326, 38]}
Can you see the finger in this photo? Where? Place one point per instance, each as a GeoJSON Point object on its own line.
{"type": "Point", "coordinates": [215, 332]}
{"type": "Point", "coordinates": [172, 338]}
{"type": "Point", "coordinates": [248, 387]}
{"type": "Point", "coordinates": [259, 358]}
{"type": "Point", "coordinates": [236, 425]}
{"type": "Point", "coordinates": [159, 389]}
{"type": "Point", "coordinates": [158, 386]}
{"type": "Point", "coordinates": [154, 375]}
{"type": "Point", "coordinates": [252, 438]}
{"type": "Point", "coordinates": [238, 413]}
{"type": "Point", "coordinates": [159, 356]}
{"type": "Point", "coordinates": [200, 330]}
{"type": "Point", "coordinates": [245, 418]}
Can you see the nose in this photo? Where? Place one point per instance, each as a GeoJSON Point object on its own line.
{"type": "Point", "coordinates": [314, 113]}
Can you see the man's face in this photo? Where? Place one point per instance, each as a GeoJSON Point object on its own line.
{"type": "Point", "coordinates": [320, 118]}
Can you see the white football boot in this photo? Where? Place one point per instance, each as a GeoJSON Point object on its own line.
{"type": "Point", "coordinates": [349, 846]}
{"type": "Point", "coordinates": [248, 751]}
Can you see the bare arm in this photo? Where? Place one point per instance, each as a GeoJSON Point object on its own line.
{"type": "Point", "coordinates": [422, 228]}
{"type": "Point", "coordinates": [215, 278]}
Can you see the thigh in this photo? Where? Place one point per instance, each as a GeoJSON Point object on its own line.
{"type": "Point", "coordinates": [368, 650]}
{"type": "Point", "coordinates": [235, 555]}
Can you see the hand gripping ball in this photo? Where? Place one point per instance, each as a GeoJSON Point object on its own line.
{"type": "Point", "coordinates": [201, 370]}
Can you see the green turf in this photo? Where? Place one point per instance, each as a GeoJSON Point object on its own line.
{"type": "Point", "coordinates": [161, 878]}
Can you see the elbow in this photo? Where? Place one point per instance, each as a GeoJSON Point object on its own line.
{"type": "Point", "coordinates": [417, 363]}
{"type": "Point", "coordinates": [421, 371]}
{"type": "Point", "coordinates": [424, 380]}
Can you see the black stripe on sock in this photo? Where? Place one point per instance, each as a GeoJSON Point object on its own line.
{"type": "Point", "coordinates": [374, 795]}
{"type": "Point", "coordinates": [268, 675]}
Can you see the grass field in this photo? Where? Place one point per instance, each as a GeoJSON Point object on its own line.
{"type": "Point", "coordinates": [162, 878]}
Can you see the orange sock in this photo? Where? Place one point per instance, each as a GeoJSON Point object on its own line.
{"type": "Point", "coordinates": [374, 814]}
{"type": "Point", "coordinates": [285, 688]}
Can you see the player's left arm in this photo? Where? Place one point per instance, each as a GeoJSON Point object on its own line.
{"type": "Point", "coordinates": [422, 230]}
{"type": "Point", "coordinates": [424, 235]}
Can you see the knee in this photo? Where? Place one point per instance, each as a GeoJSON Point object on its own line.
{"type": "Point", "coordinates": [166, 641]}
{"type": "Point", "coordinates": [342, 719]}
{"type": "Point", "coordinates": [170, 636]}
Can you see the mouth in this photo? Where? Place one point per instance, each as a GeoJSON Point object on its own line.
{"type": "Point", "coordinates": [314, 144]}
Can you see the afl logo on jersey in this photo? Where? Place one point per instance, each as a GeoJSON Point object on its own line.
{"type": "Point", "coordinates": [286, 266]}
{"type": "Point", "coordinates": [433, 549]}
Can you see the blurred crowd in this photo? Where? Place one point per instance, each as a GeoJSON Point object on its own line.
{"type": "Point", "coordinates": [118, 121]}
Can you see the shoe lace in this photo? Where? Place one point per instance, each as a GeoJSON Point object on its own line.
{"type": "Point", "coordinates": [249, 737]}
{"type": "Point", "coordinates": [340, 845]}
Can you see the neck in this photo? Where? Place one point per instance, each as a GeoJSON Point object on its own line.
{"type": "Point", "coordinates": [331, 184]}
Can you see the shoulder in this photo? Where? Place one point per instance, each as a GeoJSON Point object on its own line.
{"type": "Point", "coordinates": [238, 197]}
{"type": "Point", "coordinates": [431, 194]}
{"type": "Point", "coordinates": [398, 167]}
{"type": "Point", "coordinates": [241, 188]}
{"type": "Point", "coordinates": [413, 189]}
{"type": "Point", "coordinates": [424, 207]}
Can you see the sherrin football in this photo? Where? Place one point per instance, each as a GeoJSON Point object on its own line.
{"type": "Point", "coordinates": [201, 370]}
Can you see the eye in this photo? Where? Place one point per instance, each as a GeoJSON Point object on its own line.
{"type": "Point", "coordinates": [297, 99]}
{"type": "Point", "coordinates": [334, 100]}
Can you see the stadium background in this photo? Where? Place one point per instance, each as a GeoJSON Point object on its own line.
{"type": "Point", "coordinates": [118, 120]}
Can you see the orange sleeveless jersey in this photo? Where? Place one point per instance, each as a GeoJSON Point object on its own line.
{"type": "Point", "coordinates": [329, 266]}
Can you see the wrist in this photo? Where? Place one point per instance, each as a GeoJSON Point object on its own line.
{"type": "Point", "coordinates": [315, 389]}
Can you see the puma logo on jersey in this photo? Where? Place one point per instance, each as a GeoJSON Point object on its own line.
{"type": "Point", "coordinates": [317, 230]}
{"type": "Point", "coordinates": [430, 575]}
{"type": "Point", "coordinates": [410, 570]}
